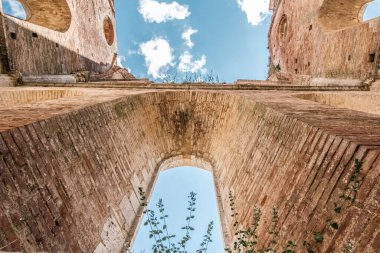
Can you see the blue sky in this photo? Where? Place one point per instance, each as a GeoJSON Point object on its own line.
{"type": "Point", "coordinates": [228, 37]}
{"type": "Point", "coordinates": [372, 10]}
{"type": "Point", "coordinates": [14, 8]}
{"type": "Point", "coordinates": [173, 186]}
{"type": "Point", "coordinates": [158, 39]}
{"type": "Point", "coordinates": [163, 37]}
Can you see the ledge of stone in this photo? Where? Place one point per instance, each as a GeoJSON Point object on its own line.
{"type": "Point", "coordinates": [335, 82]}
{"type": "Point", "coordinates": [59, 79]}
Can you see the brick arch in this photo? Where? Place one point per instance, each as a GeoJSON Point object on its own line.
{"type": "Point", "coordinates": [52, 14]}
{"type": "Point", "coordinates": [109, 31]}
{"type": "Point", "coordinates": [187, 160]}
{"type": "Point", "coordinates": [183, 160]}
{"type": "Point", "coordinates": [341, 14]}
{"type": "Point", "coordinates": [80, 163]}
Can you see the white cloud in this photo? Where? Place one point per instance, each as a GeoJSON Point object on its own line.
{"type": "Point", "coordinates": [187, 64]}
{"type": "Point", "coordinates": [256, 10]}
{"type": "Point", "coordinates": [158, 56]}
{"type": "Point", "coordinates": [186, 35]}
{"type": "Point", "coordinates": [16, 9]}
{"type": "Point", "coordinates": [132, 52]}
{"type": "Point", "coordinates": [154, 11]}
{"type": "Point", "coordinates": [120, 60]}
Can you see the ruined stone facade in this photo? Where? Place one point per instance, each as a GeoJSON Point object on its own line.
{"type": "Point", "coordinates": [322, 42]}
{"type": "Point", "coordinates": [73, 155]}
{"type": "Point", "coordinates": [59, 37]}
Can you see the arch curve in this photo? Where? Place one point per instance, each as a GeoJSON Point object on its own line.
{"type": "Point", "coordinates": [370, 11]}
{"type": "Point", "coordinates": [109, 30]}
{"type": "Point", "coordinates": [204, 164]}
{"type": "Point", "coordinates": [283, 28]}
{"type": "Point", "coordinates": [341, 14]}
{"type": "Point", "coordinates": [182, 160]}
{"type": "Point", "coordinates": [52, 14]}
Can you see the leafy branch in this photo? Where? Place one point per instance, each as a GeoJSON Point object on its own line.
{"type": "Point", "coordinates": [247, 240]}
{"type": "Point", "coordinates": [188, 227]}
{"type": "Point", "coordinates": [206, 238]}
{"type": "Point", "coordinates": [159, 233]}
{"type": "Point", "coordinates": [190, 77]}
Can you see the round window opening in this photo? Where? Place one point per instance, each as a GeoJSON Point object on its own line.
{"type": "Point", "coordinates": [109, 32]}
{"type": "Point", "coordinates": [283, 28]}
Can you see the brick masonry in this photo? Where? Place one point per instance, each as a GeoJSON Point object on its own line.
{"type": "Point", "coordinates": [69, 178]}
{"type": "Point", "coordinates": [322, 39]}
{"type": "Point", "coordinates": [72, 159]}
{"type": "Point", "coordinates": [71, 40]}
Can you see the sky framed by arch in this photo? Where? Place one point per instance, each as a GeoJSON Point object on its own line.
{"type": "Point", "coordinates": [173, 186]}
{"type": "Point", "coordinates": [372, 10]}
{"type": "Point", "coordinates": [14, 8]}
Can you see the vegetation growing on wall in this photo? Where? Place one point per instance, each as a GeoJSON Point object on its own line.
{"type": "Point", "coordinates": [163, 240]}
{"type": "Point", "coordinates": [246, 239]}
{"type": "Point", "coordinates": [192, 78]}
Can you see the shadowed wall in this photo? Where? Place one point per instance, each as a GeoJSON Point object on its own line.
{"type": "Point", "coordinates": [61, 37]}
{"type": "Point", "coordinates": [70, 180]}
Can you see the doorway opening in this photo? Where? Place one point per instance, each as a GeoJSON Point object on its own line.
{"type": "Point", "coordinates": [174, 186]}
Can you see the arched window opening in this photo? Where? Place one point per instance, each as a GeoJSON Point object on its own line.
{"type": "Point", "coordinates": [283, 28]}
{"type": "Point", "coordinates": [109, 31]}
{"type": "Point", "coordinates": [52, 14]}
{"type": "Point", "coordinates": [371, 10]}
{"type": "Point", "coordinates": [338, 14]}
{"type": "Point", "coordinates": [14, 8]}
{"type": "Point", "coordinates": [173, 186]}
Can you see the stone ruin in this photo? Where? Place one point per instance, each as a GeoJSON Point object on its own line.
{"type": "Point", "coordinates": [79, 136]}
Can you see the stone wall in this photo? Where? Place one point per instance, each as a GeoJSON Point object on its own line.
{"type": "Point", "coordinates": [322, 39]}
{"type": "Point", "coordinates": [71, 40]}
{"type": "Point", "coordinates": [70, 174]}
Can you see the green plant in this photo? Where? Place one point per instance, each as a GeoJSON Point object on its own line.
{"type": "Point", "coordinates": [246, 239]}
{"type": "Point", "coordinates": [337, 208]}
{"type": "Point", "coordinates": [164, 242]}
{"type": "Point", "coordinates": [206, 238]}
{"type": "Point", "coordinates": [190, 77]}
{"type": "Point", "coordinates": [273, 231]}
{"type": "Point", "coordinates": [354, 184]}
{"type": "Point", "coordinates": [318, 237]}
{"type": "Point", "coordinates": [20, 224]}
{"type": "Point", "coordinates": [334, 225]}
{"type": "Point", "coordinates": [290, 247]}
{"type": "Point", "coordinates": [308, 247]}
{"type": "Point", "coordinates": [3, 238]}
{"type": "Point", "coordinates": [348, 247]}
{"type": "Point", "coordinates": [346, 198]}
{"type": "Point", "coordinates": [120, 109]}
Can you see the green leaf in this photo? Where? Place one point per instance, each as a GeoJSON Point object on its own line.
{"type": "Point", "coordinates": [334, 225]}
{"type": "Point", "coordinates": [318, 237]}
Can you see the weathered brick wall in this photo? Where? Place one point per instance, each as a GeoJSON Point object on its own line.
{"type": "Point", "coordinates": [364, 102]}
{"type": "Point", "coordinates": [69, 180]}
{"type": "Point", "coordinates": [82, 47]}
{"type": "Point", "coordinates": [14, 97]}
{"type": "Point", "coordinates": [63, 177]}
{"type": "Point", "coordinates": [299, 160]}
{"type": "Point", "coordinates": [4, 64]}
{"type": "Point", "coordinates": [309, 49]}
